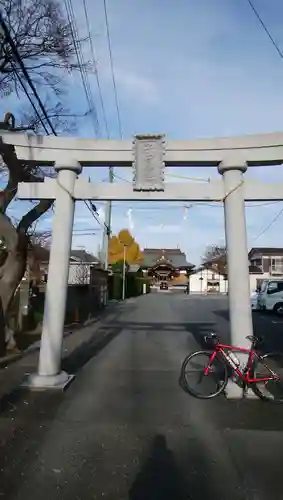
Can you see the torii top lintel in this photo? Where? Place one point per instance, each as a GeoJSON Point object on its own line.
{"type": "Point", "coordinates": [261, 149]}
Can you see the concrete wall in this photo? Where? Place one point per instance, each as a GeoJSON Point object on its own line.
{"type": "Point", "coordinates": [200, 286]}
{"type": "Point", "coordinates": [83, 300]}
{"type": "Point", "coordinates": [199, 282]}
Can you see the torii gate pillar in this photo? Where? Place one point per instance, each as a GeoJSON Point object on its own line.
{"type": "Point", "coordinates": [49, 370]}
{"type": "Point", "coordinates": [237, 257]}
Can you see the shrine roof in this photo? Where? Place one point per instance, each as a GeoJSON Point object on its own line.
{"type": "Point", "coordinates": [173, 256]}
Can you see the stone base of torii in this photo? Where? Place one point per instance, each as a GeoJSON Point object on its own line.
{"type": "Point", "coordinates": [148, 154]}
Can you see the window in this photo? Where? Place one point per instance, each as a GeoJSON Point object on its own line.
{"type": "Point", "coordinates": [256, 262]}
{"type": "Point", "coordinates": [275, 286]}
{"type": "Point", "coordinates": [277, 265]}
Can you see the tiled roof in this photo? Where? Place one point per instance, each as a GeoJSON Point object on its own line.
{"type": "Point", "coordinates": [209, 267]}
{"type": "Point", "coordinates": [252, 270]}
{"type": "Point", "coordinates": [268, 251]}
{"type": "Point", "coordinates": [83, 256]}
{"type": "Point", "coordinates": [170, 255]}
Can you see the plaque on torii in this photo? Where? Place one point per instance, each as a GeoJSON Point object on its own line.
{"type": "Point", "coordinates": [148, 164]}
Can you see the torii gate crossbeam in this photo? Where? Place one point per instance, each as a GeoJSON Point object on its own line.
{"type": "Point", "coordinates": [148, 155]}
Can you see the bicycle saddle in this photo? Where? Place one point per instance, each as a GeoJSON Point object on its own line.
{"type": "Point", "coordinates": [211, 339]}
{"type": "Point", "coordinates": [211, 335]}
{"type": "Point", "coordinates": [254, 339]}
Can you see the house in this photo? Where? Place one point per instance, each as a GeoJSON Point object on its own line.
{"type": "Point", "coordinates": [81, 265]}
{"type": "Point", "coordinates": [265, 263]}
{"type": "Point", "coordinates": [208, 279]}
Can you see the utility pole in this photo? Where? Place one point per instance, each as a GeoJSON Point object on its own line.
{"type": "Point", "coordinates": [107, 224]}
{"type": "Point", "coordinates": [124, 274]}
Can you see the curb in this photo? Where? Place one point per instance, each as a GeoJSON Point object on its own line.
{"type": "Point", "coordinates": [113, 307]}
{"type": "Point", "coordinates": [69, 330]}
{"type": "Point", "coordinates": [10, 358]}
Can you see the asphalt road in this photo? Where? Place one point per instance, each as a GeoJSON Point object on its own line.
{"type": "Point", "coordinates": [125, 429]}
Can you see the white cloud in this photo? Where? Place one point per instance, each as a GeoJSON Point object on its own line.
{"type": "Point", "coordinates": [140, 87]}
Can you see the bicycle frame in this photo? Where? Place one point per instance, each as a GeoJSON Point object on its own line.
{"type": "Point", "coordinates": [246, 374]}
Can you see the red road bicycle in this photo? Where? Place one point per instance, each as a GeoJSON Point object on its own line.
{"type": "Point", "coordinates": [213, 367]}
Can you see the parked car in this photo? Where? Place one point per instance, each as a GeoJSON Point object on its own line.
{"type": "Point", "coordinates": [163, 285]}
{"type": "Point", "coordinates": [254, 301]}
{"type": "Point", "coordinates": [270, 297]}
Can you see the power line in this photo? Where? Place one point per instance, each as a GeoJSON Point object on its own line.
{"type": "Point", "coordinates": [198, 179]}
{"type": "Point", "coordinates": [86, 233]}
{"type": "Point", "coordinates": [178, 207]}
{"type": "Point", "coordinates": [263, 25]}
{"type": "Point", "coordinates": [25, 90]}
{"type": "Point", "coordinates": [108, 210]}
{"type": "Point", "coordinates": [24, 71]}
{"type": "Point", "coordinates": [269, 225]}
{"type": "Point", "coordinates": [94, 216]}
{"type": "Point", "coordinates": [112, 69]}
{"type": "Point", "coordinates": [27, 77]}
{"type": "Point", "coordinates": [280, 53]}
{"type": "Point", "coordinates": [92, 49]}
{"type": "Point", "coordinates": [121, 178]}
{"type": "Point", "coordinates": [29, 97]}
{"type": "Point", "coordinates": [81, 64]}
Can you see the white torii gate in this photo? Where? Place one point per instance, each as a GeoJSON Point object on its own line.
{"type": "Point", "coordinates": [148, 154]}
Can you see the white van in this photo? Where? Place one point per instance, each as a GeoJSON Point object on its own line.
{"type": "Point", "coordinates": [270, 296]}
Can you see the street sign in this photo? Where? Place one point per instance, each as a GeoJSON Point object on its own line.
{"type": "Point", "coordinates": [149, 153]}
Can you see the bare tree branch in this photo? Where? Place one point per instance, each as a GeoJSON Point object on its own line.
{"type": "Point", "coordinates": [61, 118]}
{"type": "Point", "coordinates": [40, 238]}
{"type": "Point", "coordinates": [8, 234]}
{"type": "Point", "coordinates": [34, 214]}
{"type": "Point", "coordinates": [44, 41]}
{"type": "Point", "coordinates": [43, 38]}
{"type": "Point", "coordinates": [10, 159]}
{"type": "Point", "coordinates": [217, 256]}
{"type": "Point", "coordinates": [17, 172]}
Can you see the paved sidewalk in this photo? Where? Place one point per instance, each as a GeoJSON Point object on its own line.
{"type": "Point", "coordinates": [75, 339]}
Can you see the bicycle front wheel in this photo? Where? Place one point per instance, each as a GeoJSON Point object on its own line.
{"type": "Point", "coordinates": [195, 382]}
{"type": "Point", "coordinates": [271, 390]}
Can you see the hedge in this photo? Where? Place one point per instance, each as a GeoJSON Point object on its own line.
{"type": "Point", "coordinates": [133, 288]}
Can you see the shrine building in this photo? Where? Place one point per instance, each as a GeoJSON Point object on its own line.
{"type": "Point", "coordinates": [169, 264]}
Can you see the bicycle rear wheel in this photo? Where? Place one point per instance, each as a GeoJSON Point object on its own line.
{"type": "Point", "coordinates": [272, 390]}
{"type": "Point", "coordinates": [195, 382]}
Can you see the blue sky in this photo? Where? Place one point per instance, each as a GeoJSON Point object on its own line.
{"type": "Point", "coordinates": [190, 69]}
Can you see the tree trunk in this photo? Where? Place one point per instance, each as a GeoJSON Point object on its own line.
{"type": "Point", "coordinates": [12, 273]}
